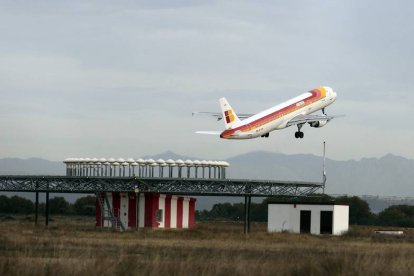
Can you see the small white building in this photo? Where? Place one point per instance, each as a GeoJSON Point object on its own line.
{"type": "Point", "coordinates": [307, 217]}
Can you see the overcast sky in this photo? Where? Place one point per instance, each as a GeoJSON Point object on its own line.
{"type": "Point", "coordinates": [121, 78]}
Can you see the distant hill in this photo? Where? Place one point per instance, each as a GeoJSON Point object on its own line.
{"type": "Point", "coordinates": [377, 204]}
{"type": "Point", "coordinates": [389, 175]}
{"type": "Point", "coordinates": [386, 176]}
{"type": "Point", "coordinates": [31, 166]}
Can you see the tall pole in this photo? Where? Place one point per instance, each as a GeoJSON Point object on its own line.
{"type": "Point", "coordinates": [324, 170]}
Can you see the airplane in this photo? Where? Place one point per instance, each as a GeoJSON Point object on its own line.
{"type": "Point", "coordinates": [297, 111]}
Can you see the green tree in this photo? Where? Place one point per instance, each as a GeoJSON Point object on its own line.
{"type": "Point", "coordinates": [4, 204]}
{"type": "Point", "coordinates": [359, 211]}
{"type": "Point", "coordinates": [258, 211]}
{"type": "Point", "coordinates": [42, 208]}
{"type": "Point", "coordinates": [228, 211]}
{"type": "Point", "coordinates": [222, 211]}
{"type": "Point", "coordinates": [397, 215]}
{"type": "Point", "coordinates": [85, 206]}
{"type": "Point", "coordinates": [59, 205]}
{"type": "Point", "coordinates": [19, 205]}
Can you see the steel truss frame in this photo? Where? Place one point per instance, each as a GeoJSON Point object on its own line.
{"type": "Point", "coordinates": [174, 186]}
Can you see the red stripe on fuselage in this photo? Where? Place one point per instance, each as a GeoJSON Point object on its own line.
{"type": "Point", "coordinates": [316, 95]}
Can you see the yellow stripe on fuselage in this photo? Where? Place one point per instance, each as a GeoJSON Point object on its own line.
{"type": "Point", "coordinates": [323, 92]}
{"type": "Point", "coordinates": [279, 114]}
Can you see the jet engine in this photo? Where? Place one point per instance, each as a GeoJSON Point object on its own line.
{"type": "Point", "coordinates": [318, 123]}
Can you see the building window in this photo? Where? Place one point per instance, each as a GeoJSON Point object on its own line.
{"type": "Point", "coordinates": [158, 215]}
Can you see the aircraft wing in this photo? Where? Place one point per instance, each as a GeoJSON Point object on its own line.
{"type": "Point", "coordinates": [219, 116]}
{"type": "Point", "coordinates": [302, 119]}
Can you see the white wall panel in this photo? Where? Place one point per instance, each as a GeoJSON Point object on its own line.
{"type": "Point", "coordinates": [161, 206]}
{"type": "Point", "coordinates": [141, 210]}
{"type": "Point", "coordinates": [173, 212]}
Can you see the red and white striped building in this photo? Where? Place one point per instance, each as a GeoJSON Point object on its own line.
{"type": "Point", "coordinates": [151, 210]}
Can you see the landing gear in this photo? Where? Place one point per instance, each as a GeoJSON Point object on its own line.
{"type": "Point", "coordinates": [266, 135]}
{"type": "Point", "coordinates": [299, 134]}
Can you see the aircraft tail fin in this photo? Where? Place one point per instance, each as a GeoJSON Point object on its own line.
{"type": "Point", "coordinates": [229, 116]}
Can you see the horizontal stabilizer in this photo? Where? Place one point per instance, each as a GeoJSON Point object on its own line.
{"type": "Point", "coordinates": [219, 116]}
{"type": "Point", "coordinates": [209, 132]}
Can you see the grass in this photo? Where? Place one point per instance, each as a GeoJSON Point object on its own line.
{"type": "Point", "coordinates": [72, 246]}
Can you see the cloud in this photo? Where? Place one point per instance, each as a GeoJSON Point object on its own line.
{"type": "Point", "coordinates": [102, 76]}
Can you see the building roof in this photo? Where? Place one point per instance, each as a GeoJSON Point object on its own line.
{"type": "Point", "coordinates": [302, 202]}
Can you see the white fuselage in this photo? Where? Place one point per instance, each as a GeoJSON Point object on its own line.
{"type": "Point", "coordinates": [278, 116]}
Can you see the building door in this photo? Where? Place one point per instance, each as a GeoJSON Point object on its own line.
{"type": "Point", "coordinates": [305, 221]}
{"type": "Point", "coordinates": [326, 222]}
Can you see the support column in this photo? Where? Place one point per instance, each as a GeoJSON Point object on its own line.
{"type": "Point", "coordinates": [36, 208]}
{"type": "Point", "coordinates": [249, 215]}
{"type": "Point", "coordinates": [47, 209]}
{"type": "Point", "coordinates": [246, 212]}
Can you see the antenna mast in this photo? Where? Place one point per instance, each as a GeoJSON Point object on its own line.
{"type": "Point", "coordinates": [324, 171]}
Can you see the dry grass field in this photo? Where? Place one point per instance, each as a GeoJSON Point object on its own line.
{"type": "Point", "coordinates": [72, 246]}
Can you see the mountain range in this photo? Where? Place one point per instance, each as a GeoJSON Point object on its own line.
{"type": "Point", "coordinates": [389, 175]}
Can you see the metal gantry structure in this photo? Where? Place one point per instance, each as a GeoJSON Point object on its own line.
{"type": "Point", "coordinates": [174, 177]}
{"type": "Point", "coordinates": [174, 186]}
{"type": "Point", "coordinates": [169, 185]}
